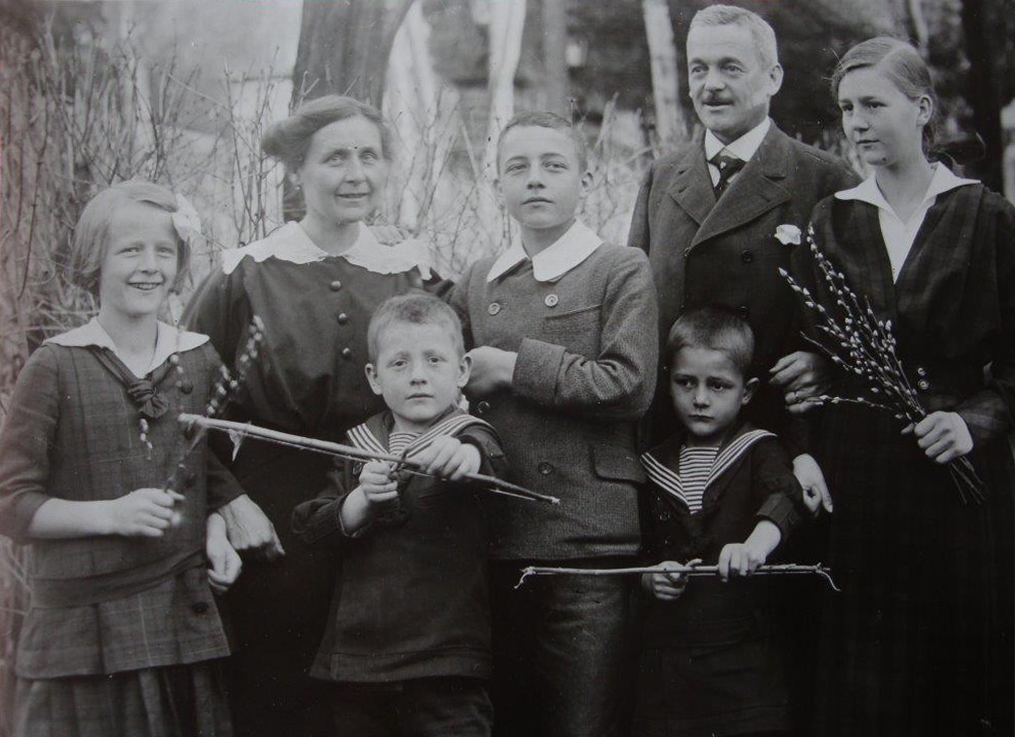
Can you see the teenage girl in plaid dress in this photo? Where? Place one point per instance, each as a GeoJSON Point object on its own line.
{"type": "Point", "coordinates": [123, 633]}
{"type": "Point", "coordinates": [919, 640]}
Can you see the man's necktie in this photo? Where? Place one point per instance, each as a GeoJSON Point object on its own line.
{"type": "Point", "coordinates": [728, 167]}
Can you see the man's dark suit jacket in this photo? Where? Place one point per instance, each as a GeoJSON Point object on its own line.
{"type": "Point", "coordinates": [727, 253]}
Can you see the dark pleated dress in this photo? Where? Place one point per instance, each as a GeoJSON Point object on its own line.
{"type": "Point", "coordinates": [308, 380]}
{"type": "Point", "coordinates": [919, 642]}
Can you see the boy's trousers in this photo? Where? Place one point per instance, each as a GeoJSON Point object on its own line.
{"type": "Point", "coordinates": [420, 707]}
{"type": "Point", "coordinates": [563, 651]}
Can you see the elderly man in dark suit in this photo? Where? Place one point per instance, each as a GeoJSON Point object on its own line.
{"type": "Point", "coordinates": [720, 215]}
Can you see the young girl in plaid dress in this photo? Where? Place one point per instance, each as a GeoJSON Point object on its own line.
{"type": "Point", "coordinates": [919, 640]}
{"type": "Point", "coordinates": [123, 631]}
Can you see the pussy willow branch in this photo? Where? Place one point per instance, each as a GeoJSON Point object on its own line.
{"type": "Point", "coordinates": [224, 391]}
{"type": "Point", "coordinates": [349, 452]}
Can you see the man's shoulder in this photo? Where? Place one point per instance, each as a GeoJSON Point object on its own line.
{"type": "Point", "coordinates": [812, 160]}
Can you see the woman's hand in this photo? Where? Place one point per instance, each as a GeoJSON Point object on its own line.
{"type": "Point", "coordinates": [450, 458]}
{"type": "Point", "coordinates": [249, 529]}
{"type": "Point", "coordinates": [802, 376]}
{"type": "Point", "coordinates": [815, 489]}
{"type": "Point", "coordinates": [943, 436]}
{"type": "Point", "coordinates": [143, 513]}
{"type": "Point", "coordinates": [225, 561]}
{"type": "Point", "coordinates": [667, 586]}
{"type": "Point", "coordinates": [492, 370]}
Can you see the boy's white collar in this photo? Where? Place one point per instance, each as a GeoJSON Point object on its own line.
{"type": "Point", "coordinates": [291, 243]}
{"type": "Point", "coordinates": [744, 147]}
{"type": "Point", "coordinates": [168, 340]}
{"type": "Point", "coordinates": [564, 254]}
{"type": "Point", "coordinates": [868, 191]}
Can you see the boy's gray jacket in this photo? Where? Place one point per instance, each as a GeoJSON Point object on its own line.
{"type": "Point", "coordinates": [585, 374]}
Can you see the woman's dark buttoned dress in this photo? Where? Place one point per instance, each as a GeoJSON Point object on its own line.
{"type": "Point", "coordinates": [308, 379]}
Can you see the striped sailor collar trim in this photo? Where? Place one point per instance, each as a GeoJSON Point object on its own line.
{"type": "Point", "coordinates": [373, 435]}
{"type": "Point", "coordinates": [658, 461]}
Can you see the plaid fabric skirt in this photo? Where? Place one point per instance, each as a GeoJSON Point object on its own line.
{"type": "Point", "coordinates": [173, 701]}
{"type": "Point", "coordinates": [919, 640]}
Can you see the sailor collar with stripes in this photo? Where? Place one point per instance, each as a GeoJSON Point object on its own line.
{"type": "Point", "coordinates": [661, 461]}
{"type": "Point", "coordinates": [374, 434]}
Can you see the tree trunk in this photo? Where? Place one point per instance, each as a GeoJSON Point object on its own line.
{"type": "Point", "coordinates": [507, 21]}
{"type": "Point", "coordinates": [344, 48]}
{"type": "Point", "coordinates": [665, 71]}
{"type": "Point", "coordinates": [981, 20]}
{"type": "Point", "coordinates": [558, 82]}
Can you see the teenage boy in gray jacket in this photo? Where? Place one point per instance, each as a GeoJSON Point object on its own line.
{"type": "Point", "coordinates": [564, 367]}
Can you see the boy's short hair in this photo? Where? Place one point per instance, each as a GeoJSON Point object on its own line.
{"type": "Point", "coordinates": [717, 328]}
{"type": "Point", "coordinates": [731, 15]}
{"type": "Point", "coordinates": [550, 120]}
{"type": "Point", "coordinates": [91, 234]}
{"type": "Point", "coordinates": [416, 308]}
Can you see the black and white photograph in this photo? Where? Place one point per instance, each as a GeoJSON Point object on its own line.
{"type": "Point", "coordinates": [507, 368]}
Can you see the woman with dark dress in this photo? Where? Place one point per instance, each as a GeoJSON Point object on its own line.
{"type": "Point", "coordinates": [314, 284]}
{"type": "Point", "coordinates": [919, 640]}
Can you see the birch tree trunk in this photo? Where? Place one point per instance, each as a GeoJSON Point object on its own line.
{"type": "Point", "coordinates": [558, 82]}
{"type": "Point", "coordinates": [507, 21]}
{"type": "Point", "coordinates": [665, 72]}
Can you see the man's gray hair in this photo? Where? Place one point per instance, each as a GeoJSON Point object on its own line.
{"type": "Point", "coordinates": [731, 15]}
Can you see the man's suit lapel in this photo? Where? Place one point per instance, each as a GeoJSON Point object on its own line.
{"type": "Point", "coordinates": [691, 188]}
{"type": "Point", "coordinates": [758, 188]}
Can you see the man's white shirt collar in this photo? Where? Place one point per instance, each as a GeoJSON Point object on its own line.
{"type": "Point", "coordinates": [564, 254]}
{"type": "Point", "coordinates": [744, 147]}
{"type": "Point", "coordinates": [291, 243]}
{"type": "Point", "coordinates": [868, 191]}
{"type": "Point", "coordinates": [168, 340]}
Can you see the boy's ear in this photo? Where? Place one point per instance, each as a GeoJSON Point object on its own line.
{"type": "Point", "coordinates": [749, 388]}
{"type": "Point", "coordinates": [372, 379]}
{"type": "Point", "coordinates": [464, 371]}
{"type": "Point", "coordinates": [586, 181]}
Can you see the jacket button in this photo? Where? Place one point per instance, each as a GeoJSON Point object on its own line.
{"type": "Point", "coordinates": [493, 308]}
{"type": "Point", "coordinates": [482, 407]}
{"type": "Point", "coordinates": [545, 468]}
{"type": "Point", "coordinates": [199, 607]}
{"type": "Point", "coordinates": [923, 384]}
{"type": "Point", "coordinates": [347, 353]}
{"type": "Point", "coordinates": [921, 371]}
{"type": "Point", "coordinates": [335, 285]}
{"type": "Point", "coordinates": [185, 387]}
{"type": "Point", "coordinates": [551, 300]}
{"type": "Point", "coordinates": [190, 478]}
{"type": "Point", "coordinates": [342, 318]}
{"type": "Point", "coordinates": [663, 516]}
{"type": "Point", "coordinates": [744, 311]}
{"type": "Point", "coordinates": [747, 257]}
{"type": "Point", "coordinates": [687, 252]}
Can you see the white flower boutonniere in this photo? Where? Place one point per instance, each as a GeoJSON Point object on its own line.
{"type": "Point", "coordinates": [788, 235]}
{"type": "Point", "coordinates": [186, 220]}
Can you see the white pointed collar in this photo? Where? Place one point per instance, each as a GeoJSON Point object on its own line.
{"type": "Point", "coordinates": [868, 191]}
{"type": "Point", "coordinates": [168, 340]}
{"type": "Point", "coordinates": [291, 243]}
{"type": "Point", "coordinates": [564, 254]}
{"type": "Point", "coordinates": [744, 147]}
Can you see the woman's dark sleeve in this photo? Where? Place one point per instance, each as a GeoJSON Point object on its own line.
{"type": "Point", "coordinates": [318, 521]}
{"type": "Point", "coordinates": [219, 308]}
{"type": "Point", "coordinates": [773, 482]}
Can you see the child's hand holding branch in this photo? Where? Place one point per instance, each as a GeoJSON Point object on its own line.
{"type": "Point", "coordinates": [378, 485]}
{"type": "Point", "coordinates": [143, 513]}
{"type": "Point", "coordinates": [225, 561]}
{"type": "Point", "coordinates": [742, 559]}
{"type": "Point", "coordinates": [667, 586]}
{"type": "Point", "coordinates": [450, 458]}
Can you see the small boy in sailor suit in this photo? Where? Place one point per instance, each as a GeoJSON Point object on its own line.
{"type": "Point", "coordinates": [720, 492]}
{"type": "Point", "coordinates": [408, 637]}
